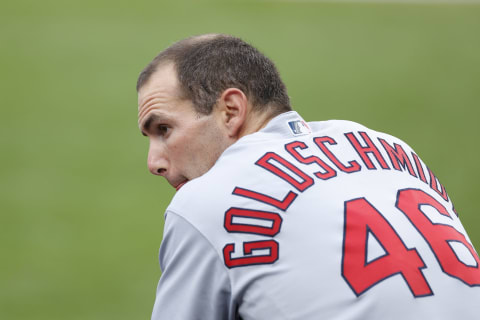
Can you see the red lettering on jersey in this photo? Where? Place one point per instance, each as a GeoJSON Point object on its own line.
{"type": "Point", "coordinates": [420, 171]}
{"type": "Point", "coordinates": [280, 204]}
{"type": "Point", "coordinates": [251, 221]}
{"type": "Point", "coordinates": [271, 161]}
{"type": "Point", "coordinates": [398, 157]}
{"type": "Point", "coordinates": [434, 185]}
{"type": "Point", "coordinates": [364, 151]}
{"type": "Point", "coordinates": [250, 259]}
{"type": "Point", "coordinates": [327, 173]}
{"type": "Point", "coordinates": [353, 165]}
{"type": "Point", "coordinates": [360, 219]}
{"type": "Point", "coordinates": [439, 236]}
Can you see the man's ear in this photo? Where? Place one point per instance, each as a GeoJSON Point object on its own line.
{"type": "Point", "coordinates": [233, 105]}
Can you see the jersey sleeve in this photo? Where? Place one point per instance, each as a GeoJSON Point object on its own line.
{"type": "Point", "coordinates": [194, 283]}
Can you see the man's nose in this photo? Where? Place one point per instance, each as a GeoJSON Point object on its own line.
{"type": "Point", "coordinates": [157, 162]}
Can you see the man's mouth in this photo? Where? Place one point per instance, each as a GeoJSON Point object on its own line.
{"type": "Point", "coordinates": [180, 185]}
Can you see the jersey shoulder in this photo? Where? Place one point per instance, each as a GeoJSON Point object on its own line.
{"type": "Point", "coordinates": [203, 201]}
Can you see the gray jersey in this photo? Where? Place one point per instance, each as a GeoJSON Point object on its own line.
{"type": "Point", "coordinates": [325, 220]}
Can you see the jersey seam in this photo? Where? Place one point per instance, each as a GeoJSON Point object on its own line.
{"type": "Point", "coordinates": [207, 240]}
{"type": "Point", "coordinates": [219, 257]}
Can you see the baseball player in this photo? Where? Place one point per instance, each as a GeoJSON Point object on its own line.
{"type": "Point", "coordinates": [277, 218]}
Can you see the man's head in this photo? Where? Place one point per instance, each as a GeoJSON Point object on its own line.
{"type": "Point", "coordinates": [198, 97]}
{"type": "Point", "coordinates": [206, 65]}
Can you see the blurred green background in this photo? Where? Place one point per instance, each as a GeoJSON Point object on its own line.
{"type": "Point", "coordinates": [81, 217]}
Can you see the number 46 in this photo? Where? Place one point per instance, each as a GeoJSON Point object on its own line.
{"type": "Point", "coordinates": [361, 218]}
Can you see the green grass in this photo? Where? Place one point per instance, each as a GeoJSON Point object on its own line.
{"type": "Point", "coordinates": [81, 217]}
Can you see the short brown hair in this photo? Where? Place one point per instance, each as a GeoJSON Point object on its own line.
{"type": "Point", "coordinates": [209, 64]}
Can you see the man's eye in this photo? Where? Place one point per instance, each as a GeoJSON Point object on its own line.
{"type": "Point", "coordinates": [162, 129]}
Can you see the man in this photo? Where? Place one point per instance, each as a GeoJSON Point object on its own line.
{"type": "Point", "coordinates": [276, 218]}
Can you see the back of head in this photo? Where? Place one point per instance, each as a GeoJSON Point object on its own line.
{"type": "Point", "coordinates": [207, 65]}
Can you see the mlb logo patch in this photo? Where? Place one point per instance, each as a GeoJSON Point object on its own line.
{"type": "Point", "coordinates": [299, 127]}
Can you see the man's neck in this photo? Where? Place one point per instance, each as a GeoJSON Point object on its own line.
{"type": "Point", "coordinates": [256, 121]}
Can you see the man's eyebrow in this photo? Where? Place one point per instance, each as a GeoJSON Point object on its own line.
{"type": "Point", "coordinates": [150, 119]}
{"type": "Point", "coordinates": [146, 125]}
